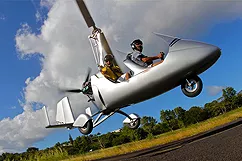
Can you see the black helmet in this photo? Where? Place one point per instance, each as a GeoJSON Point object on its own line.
{"type": "Point", "coordinates": [108, 57]}
{"type": "Point", "coordinates": [136, 42]}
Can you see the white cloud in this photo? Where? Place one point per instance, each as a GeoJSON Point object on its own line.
{"type": "Point", "coordinates": [21, 131]}
{"type": "Point", "coordinates": [2, 17]}
{"type": "Point", "coordinates": [27, 81]}
{"type": "Point", "coordinates": [130, 19]}
{"type": "Point", "coordinates": [66, 54]}
{"type": "Point", "coordinates": [38, 16]}
{"type": "Point", "coordinates": [214, 90]}
{"type": "Point", "coordinates": [47, 3]}
{"type": "Point", "coordinates": [13, 107]}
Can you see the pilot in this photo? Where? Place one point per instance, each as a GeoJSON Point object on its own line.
{"type": "Point", "coordinates": [140, 59]}
{"type": "Point", "coordinates": [110, 71]}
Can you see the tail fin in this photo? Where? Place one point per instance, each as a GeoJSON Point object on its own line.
{"type": "Point", "coordinates": [64, 113]}
{"type": "Point", "coordinates": [46, 116]}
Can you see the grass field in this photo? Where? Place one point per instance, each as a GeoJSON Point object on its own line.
{"type": "Point", "coordinates": [161, 139]}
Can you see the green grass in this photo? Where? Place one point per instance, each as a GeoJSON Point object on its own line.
{"type": "Point", "coordinates": [161, 139]}
{"type": "Point", "coordinates": [55, 154]}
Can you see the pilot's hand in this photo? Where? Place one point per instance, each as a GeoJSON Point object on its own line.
{"type": "Point", "coordinates": [160, 55]}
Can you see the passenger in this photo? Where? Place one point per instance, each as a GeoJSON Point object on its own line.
{"type": "Point", "coordinates": [140, 59]}
{"type": "Point", "coordinates": [110, 71]}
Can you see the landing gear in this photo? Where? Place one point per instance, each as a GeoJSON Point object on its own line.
{"type": "Point", "coordinates": [87, 128]}
{"type": "Point", "coordinates": [192, 86]}
{"type": "Point", "coordinates": [134, 124]}
{"type": "Point", "coordinates": [132, 121]}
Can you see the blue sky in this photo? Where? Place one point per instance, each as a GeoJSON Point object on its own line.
{"type": "Point", "coordinates": [14, 69]}
{"type": "Point", "coordinates": [31, 59]}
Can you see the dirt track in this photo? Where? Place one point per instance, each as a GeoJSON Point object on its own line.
{"type": "Point", "coordinates": [223, 143]}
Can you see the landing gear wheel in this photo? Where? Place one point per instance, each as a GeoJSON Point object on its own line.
{"type": "Point", "coordinates": [87, 128]}
{"type": "Point", "coordinates": [192, 86]}
{"type": "Point", "coordinates": [134, 124]}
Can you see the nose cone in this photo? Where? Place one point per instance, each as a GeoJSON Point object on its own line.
{"type": "Point", "coordinates": [197, 56]}
{"type": "Point", "coordinates": [208, 55]}
{"type": "Point", "coordinates": [200, 50]}
{"type": "Point", "coordinates": [208, 52]}
{"type": "Point", "coordinates": [214, 53]}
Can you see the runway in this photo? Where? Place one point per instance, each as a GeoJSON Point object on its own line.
{"type": "Point", "coordinates": [223, 143]}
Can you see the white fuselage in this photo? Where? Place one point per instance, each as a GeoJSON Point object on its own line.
{"type": "Point", "coordinates": [184, 58]}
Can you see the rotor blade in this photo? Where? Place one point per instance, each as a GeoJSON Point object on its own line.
{"type": "Point", "coordinates": [105, 43]}
{"type": "Point", "coordinates": [88, 74]}
{"type": "Point", "coordinates": [85, 13]}
{"type": "Point", "coordinates": [106, 46]}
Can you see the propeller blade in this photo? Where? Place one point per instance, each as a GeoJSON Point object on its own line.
{"type": "Point", "coordinates": [79, 90]}
{"type": "Point", "coordinates": [73, 90]}
{"type": "Point", "coordinates": [88, 75]}
{"type": "Point", "coordinates": [85, 13]}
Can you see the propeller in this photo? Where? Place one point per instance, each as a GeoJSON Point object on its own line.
{"type": "Point", "coordinates": [83, 85]}
{"type": "Point", "coordinates": [72, 90]}
{"type": "Point", "coordinates": [89, 70]}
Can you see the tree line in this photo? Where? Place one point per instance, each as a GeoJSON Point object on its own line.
{"type": "Point", "coordinates": [169, 120]}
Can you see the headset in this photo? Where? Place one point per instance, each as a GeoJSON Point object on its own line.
{"type": "Point", "coordinates": [137, 41]}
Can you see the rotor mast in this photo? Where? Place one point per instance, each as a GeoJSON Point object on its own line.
{"type": "Point", "coordinates": [90, 23]}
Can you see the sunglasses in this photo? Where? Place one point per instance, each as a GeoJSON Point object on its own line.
{"type": "Point", "coordinates": [139, 44]}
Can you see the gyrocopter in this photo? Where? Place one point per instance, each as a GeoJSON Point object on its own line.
{"type": "Point", "coordinates": [185, 60]}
